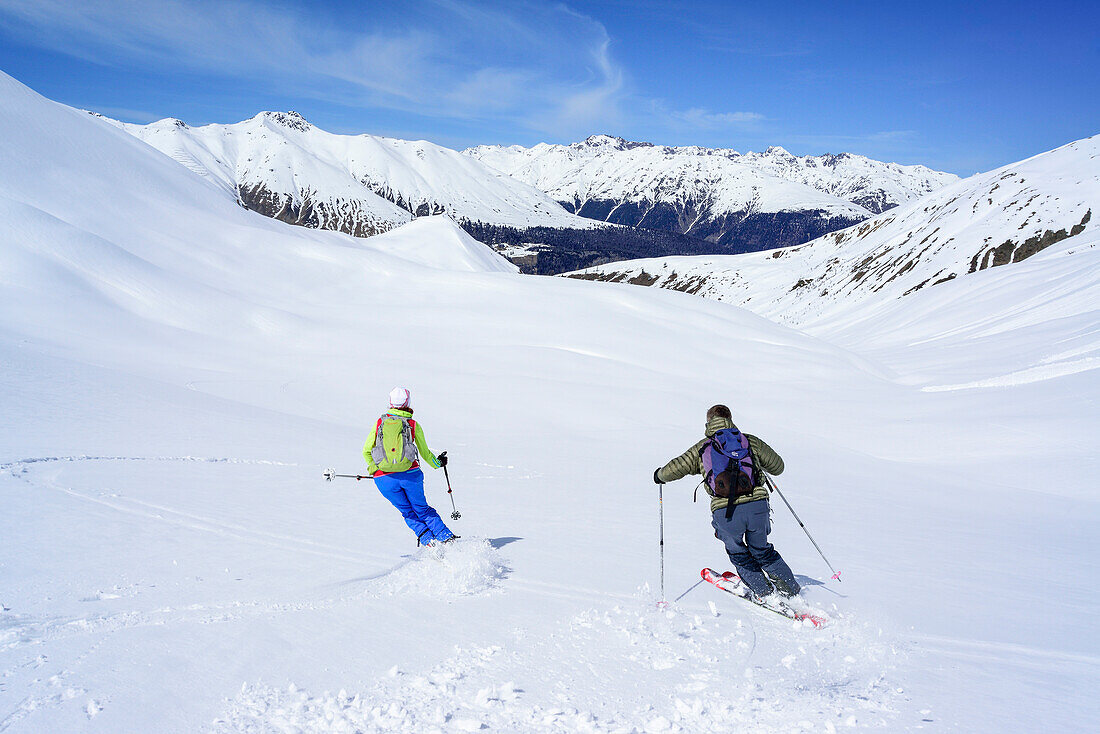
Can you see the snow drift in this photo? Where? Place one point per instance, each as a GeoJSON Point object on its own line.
{"type": "Point", "coordinates": [438, 242]}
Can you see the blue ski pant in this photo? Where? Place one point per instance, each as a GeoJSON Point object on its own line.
{"type": "Point", "coordinates": [745, 535]}
{"type": "Point", "coordinates": [405, 491]}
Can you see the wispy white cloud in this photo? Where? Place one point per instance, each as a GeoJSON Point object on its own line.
{"type": "Point", "coordinates": [591, 103]}
{"type": "Point", "coordinates": [543, 66]}
{"type": "Point", "coordinates": [490, 89]}
{"type": "Point", "coordinates": [702, 118]}
{"type": "Point", "coordinates": [696, 119]}
{"type": "Point", "coordinates": [892, 135]}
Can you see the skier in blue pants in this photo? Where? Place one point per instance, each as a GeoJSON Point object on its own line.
{"type": "Point", "coordinates": [405, 491]}
{"type": "Point", "coordinates": [393, 454]}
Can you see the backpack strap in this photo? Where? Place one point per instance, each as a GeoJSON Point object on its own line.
{"type": "Point", "coordinates": [707, 443]}
{"type": "Point", "coordinates": [752, 459]}
{"type": "Point", "coordinates": [731, 502]}
{"type": "Point", "coordinates": [378, 431]}
{"type": "Point", "coordinates": [378, 452]}
{"type": "Point", "coordinates": [409, 452]}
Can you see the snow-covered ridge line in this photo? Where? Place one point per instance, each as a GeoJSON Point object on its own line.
{"type": "Point", "coordinates": [989, 220]}
{"type": "Point", "coordinates": [281, 165]}
{"type": "Point", "coordinates": [848, 175]}
{"type": "Point", "coordinates": [745, 201]}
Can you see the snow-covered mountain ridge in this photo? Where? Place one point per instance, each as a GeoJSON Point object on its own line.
{"type": "Point", "coordinates": [741, 201]}
{"type": "Point", "coordinates": [690, 200]}
{"type": "Point", "coordinates": [988, 220]}
{"type": "Point", "coordinates": [281, 165]}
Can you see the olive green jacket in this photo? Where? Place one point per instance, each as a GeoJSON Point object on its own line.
{"type": "Point", "coordinates": [691, 462]}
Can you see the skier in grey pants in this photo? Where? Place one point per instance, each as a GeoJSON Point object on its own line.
{"type": "Point", "coordinates": [744, 527]}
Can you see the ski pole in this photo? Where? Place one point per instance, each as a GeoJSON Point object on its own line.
{"type": "Point", "coordinates": [661, 505]}
{"type": "Point", "coordinates": [836, 574]}
{"type": "Point", "coordinates": [690, 589]}
{"type": "Point", "coordinates": [331, 474]}
{"type": "Point", "coordinates": [455, 515]}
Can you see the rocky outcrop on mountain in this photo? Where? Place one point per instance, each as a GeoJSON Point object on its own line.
{"type": "Point", "coordinates": [350, 216]}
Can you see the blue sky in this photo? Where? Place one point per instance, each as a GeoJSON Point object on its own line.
{"type": "Point", "coordinates": [958, 86]}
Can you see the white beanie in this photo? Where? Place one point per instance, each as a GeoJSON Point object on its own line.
{"type": "Point", "coordinates": [400, 398]}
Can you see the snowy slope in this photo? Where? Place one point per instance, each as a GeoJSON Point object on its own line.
{"type": "Point", "coordinates": [716, 194]}
{"type": "Point", "coordinates": [993, 219]}
{"type": "Point", "coordinates": [283, 166]}
{"type": "Point", "coordinates": [439, 243]}
{"type": "Point", "coordinates": [178, 371]}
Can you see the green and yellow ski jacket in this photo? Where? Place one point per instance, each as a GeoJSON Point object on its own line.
{"type": "Point", "coordinates": [388, 467]}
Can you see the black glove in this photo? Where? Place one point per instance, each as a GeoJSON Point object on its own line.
{"type": "Point", "coordinates": [442, 459]}
{"type": "Point", "coordinates": [656, 478]}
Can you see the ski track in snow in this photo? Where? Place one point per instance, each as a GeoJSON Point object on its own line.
{"type": "Point", "coordinates": [1023, 377]}
{"type": "Point", "coordinates": [473, 566]}
{"type": "Point", "coordinates": [469, 572]}
{"type": "Point", "coordinates": [163, 513]}
{"type": "Point", "coordinates": [831, 679]}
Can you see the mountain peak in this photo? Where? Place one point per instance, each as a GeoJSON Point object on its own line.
{"type": "Point", "coordinates": [291, 120]}
{"type": "Point", "coordinates": [171, 122]}
{"type": "Point", "coordinates": [612, 141]}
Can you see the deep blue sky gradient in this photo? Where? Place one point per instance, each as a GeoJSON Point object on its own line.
{"type": "Point", "coordinates": [963, 87]}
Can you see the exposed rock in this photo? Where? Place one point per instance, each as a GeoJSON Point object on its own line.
{"type": "Point", "coordinates": [345, 216]}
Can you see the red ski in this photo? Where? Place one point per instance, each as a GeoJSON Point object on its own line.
{"type": "Point", "coordinates": [730, 583]}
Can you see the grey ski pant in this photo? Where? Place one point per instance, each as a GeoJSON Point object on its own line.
{"type": "Point", "coordinates": [745, 535]}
